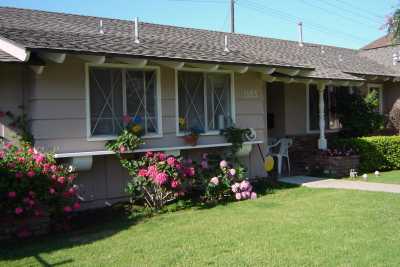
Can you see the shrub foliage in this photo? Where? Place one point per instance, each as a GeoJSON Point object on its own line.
{"type": "Point", "coordinates": [376, 152]}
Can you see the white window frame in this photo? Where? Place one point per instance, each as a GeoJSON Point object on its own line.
{"type": "Point", "coordinates": [90, 137]}
{"type": "Point", "coordinates": [309, 131]}
{"type": "Point", "coordinates": [380, 94]}
{"type": "Point", "coordinates": [233, 106]}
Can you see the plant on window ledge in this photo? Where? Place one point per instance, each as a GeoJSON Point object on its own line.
{"type": "Point", "coordinates": [192, 136]}
{"type": "Point", "coordinates": [236, 136]}
{"type": "Point", "coordinates": [130, 138]}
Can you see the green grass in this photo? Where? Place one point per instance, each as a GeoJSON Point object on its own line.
{"type": "Point", "coordinates": [291, 227]}
{"type": "Point", "coordinates": [389, 177]}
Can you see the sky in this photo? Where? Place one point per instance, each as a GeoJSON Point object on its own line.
{"type": "Point", "coordinates": [344, 23]}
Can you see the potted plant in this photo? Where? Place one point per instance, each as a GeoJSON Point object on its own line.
{"type": "Point", "coordinates": [192, 136]}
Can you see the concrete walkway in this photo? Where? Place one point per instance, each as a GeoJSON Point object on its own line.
{"type": "Point", "coordinates": [313, 182]}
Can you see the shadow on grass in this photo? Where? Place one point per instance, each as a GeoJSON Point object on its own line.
{"type": "Point", "coordinates": [92, 226]}
{"type": "Point", "coordinates": [101, 224]}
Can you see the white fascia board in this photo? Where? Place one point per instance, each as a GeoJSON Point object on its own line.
{"type": "Point", "coordinates": [16, 50]}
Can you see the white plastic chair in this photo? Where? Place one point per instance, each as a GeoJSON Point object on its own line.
{"type": "Point", "coordinates": [283, 152]}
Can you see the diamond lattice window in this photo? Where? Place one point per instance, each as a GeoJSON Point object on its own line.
{"type": "Point", "coordinates": [204, 101]}
{"type": "Point", "coordinates": [117, 92]}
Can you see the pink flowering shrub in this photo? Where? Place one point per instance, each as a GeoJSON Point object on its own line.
{"type": "Point", "coordinates": [158, 179]}
{"type": "Point", "coordinates": [227, 182]}
{"type": "Point", "coordinates": [33, 184]}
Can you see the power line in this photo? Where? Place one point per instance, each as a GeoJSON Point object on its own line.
{"type": "Point", "coordinates": [338, 14]}
{"type": "Point", "coordinates": [266, 10]}
{"type": "Point", "coordinates": [366, 11]}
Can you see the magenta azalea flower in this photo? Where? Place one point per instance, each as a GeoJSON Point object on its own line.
{"type": "Point", "coordinates": [175, 184]}
{"type": "Point", "coordinates": [31, 173]}
{"type": "Point", "coordinates": [142, 173]}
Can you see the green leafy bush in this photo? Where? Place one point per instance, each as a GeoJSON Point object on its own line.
{"type": "Point", "coordinates": [358, 115]}
{"type": "Point", "coordinates": [376, 152]}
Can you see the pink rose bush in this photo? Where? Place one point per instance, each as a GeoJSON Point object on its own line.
{"type": "Point", "coordinates": [33, 184]}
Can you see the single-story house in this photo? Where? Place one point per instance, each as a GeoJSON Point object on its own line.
{"type": "Point", "coordinates": [77, 76]}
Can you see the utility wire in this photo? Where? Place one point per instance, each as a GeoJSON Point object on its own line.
{"type": "Point", "coordinates": [359, 9]}
{"type": "Point", "coordinates": [336, 13]}
{"type": "Point", "coordinates": [268, 11]}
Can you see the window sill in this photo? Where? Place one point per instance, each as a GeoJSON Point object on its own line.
{"type": "Point", "coordinates": [141, 150]}
{"type": "Point", "coordinates": [111, 137]}
{"type": "Point", "coordinates": [326, 131]}
{"type": "Point", "coordinates": [218, 132]}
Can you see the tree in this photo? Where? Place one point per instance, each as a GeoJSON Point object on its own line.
{"type": "Point", "coordinates": [393, 25]}
{"type": "Point", "coordinates": [358, 115]}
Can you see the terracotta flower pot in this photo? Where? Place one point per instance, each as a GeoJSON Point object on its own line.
{"type": "Point", "coordinates": [191, 139]}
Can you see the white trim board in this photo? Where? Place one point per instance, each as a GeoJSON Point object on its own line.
{"type": "Point", "coordinates": [107, 152]}
{"type": "Point", "coordinates": [16, 50]}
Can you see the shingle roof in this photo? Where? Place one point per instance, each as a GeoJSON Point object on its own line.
{"type": "Point", "coordinates": [380, 42]}
{"type": "Point", "coordinates": [5, 57]}
{"type": "Point", "coordinates": [48, 30]}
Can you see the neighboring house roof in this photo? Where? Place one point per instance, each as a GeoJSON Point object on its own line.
{"type": "Point", "coordinates": [5, 57]}
{"type": "Point", "coordinates": [74, 33]}
{"type": "Point", "coordinates": [383, 41]}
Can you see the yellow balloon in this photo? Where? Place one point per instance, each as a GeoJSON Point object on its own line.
{"type": "Point", "coordinates": [269, 163]}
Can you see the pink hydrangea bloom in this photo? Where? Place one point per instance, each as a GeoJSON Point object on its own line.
{"type": "Point", "coordinates": [149, 154]}
{"type": "Point", "coordinates": [39, 158]}
{"type": "Point", "coordinates": [61, 179]}
{"type": "Point", "coordinates": [190, 172]}
{"type": "Point", "coordinates": [214, 181]}
{"type": "Point", "coordinates": [178, 166]}
{"type": "Point", "coordinates": [52, 190]}
{"type": "Point", "coordinates": [175, 184]}
{"type": "Point", "coordinates": [31, 173]}
{"type": "Point", "coordinates": [67, 209]}
{"type": "Point", "coordinates": [18, 210]}
{"type": "Point", "coordinates": [253, 195]}
{"type": "Point", "coordinates": [232, 172]}
{"type": "Point", "coordinates": [152, 171]}
{"type": "Point", "coordinates": [8, 145]}
{"type": "Point", "coordinates": [142, 173]}
{"type": "Point", "coordinates": [238, 196]}
{"type": "Point", "coordinates": [245, 186]}
{"type": "Point", "coordinates": [245, 195]}
{"type": "Point", "coordinates": [161, 156]}
{"type": "Point", "coordinates": [223, 164]}
{"type": "Point", "coordinates": [235, 187]}
{"type": "Point", "coordinates": [12, 194]}
{"type": "Point", "coordinates": [171, 161]}
{"type": "Point", "coordinates": [161, 178]}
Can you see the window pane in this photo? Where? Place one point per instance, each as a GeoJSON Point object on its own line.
{"type": "Point", "coordinates": [105, 101]}
{"type": "Point", "coordinates": [191, 101]}
{"type": "Point", "coordinates": [218, 101]}
{"type": "Point", "coordinates": [141, 95]}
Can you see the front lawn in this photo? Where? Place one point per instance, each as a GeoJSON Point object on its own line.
{"type": "Point", "coordinates": [291, 227]}
{"type": "Point", "coordinates": [389, 177]}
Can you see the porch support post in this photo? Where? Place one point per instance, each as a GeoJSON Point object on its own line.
{"type": "Point", "coordinates": [322, 143]}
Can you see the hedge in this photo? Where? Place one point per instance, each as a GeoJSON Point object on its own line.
{"type": "Point", "coordinates": [376, 152]}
